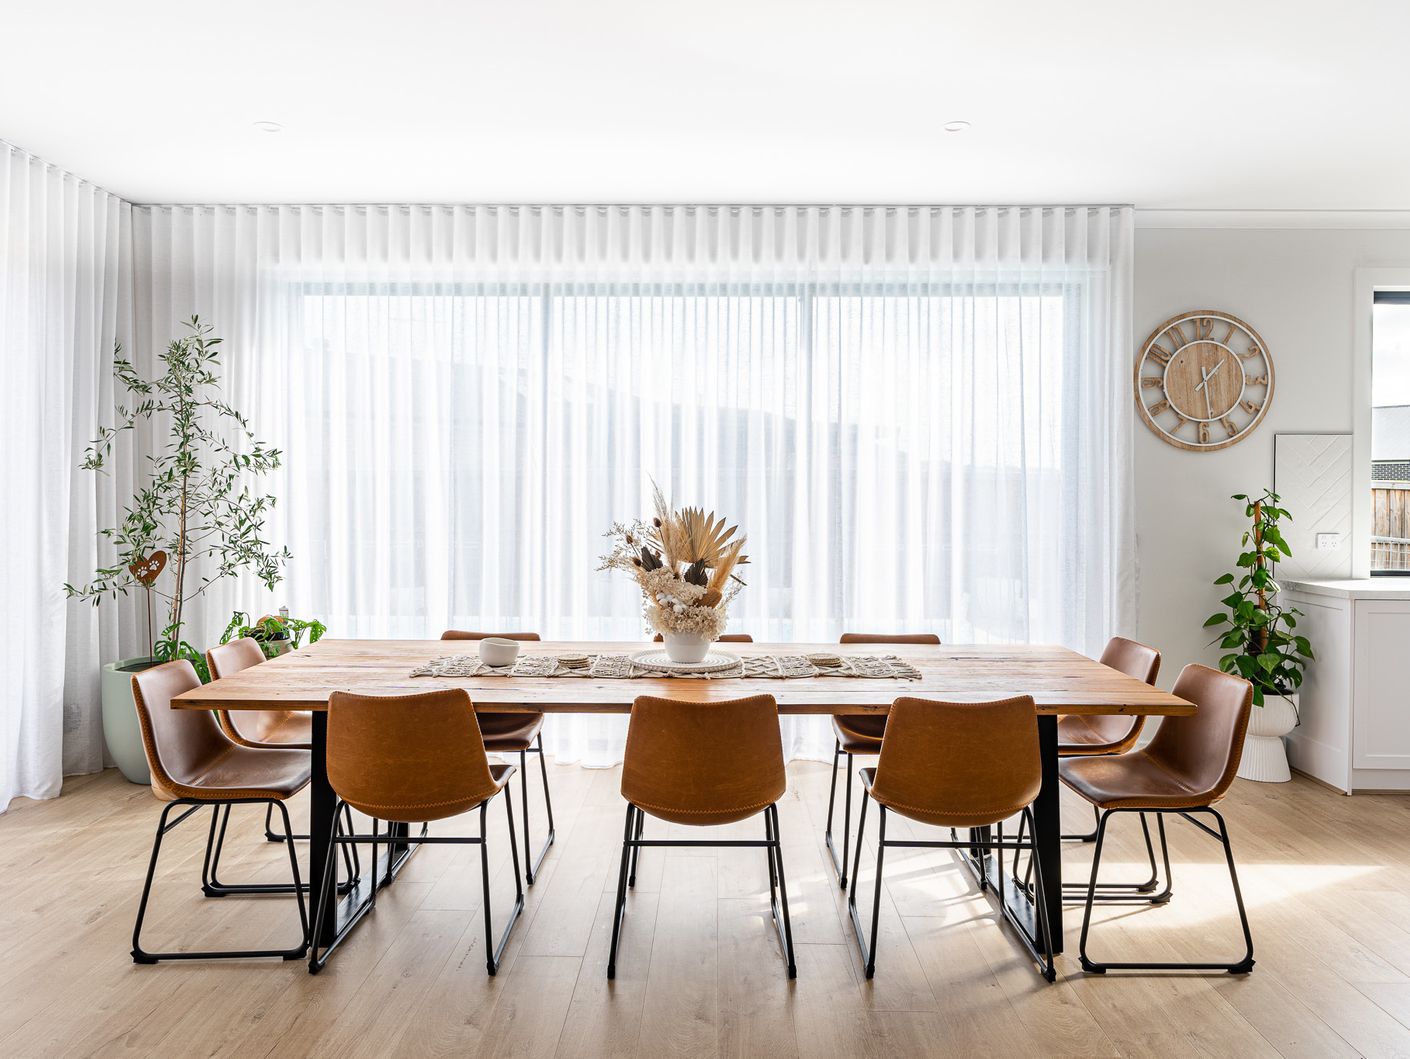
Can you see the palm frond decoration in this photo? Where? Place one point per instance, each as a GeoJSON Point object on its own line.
{"type": "Point", "coordinates": [686, 563]}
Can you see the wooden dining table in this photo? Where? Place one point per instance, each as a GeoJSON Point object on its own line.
{"type": "Point", "coordinates": [1060, 681]}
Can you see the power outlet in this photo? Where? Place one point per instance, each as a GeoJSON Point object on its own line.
{"type": "Point", "coordinates": [1328, 542]}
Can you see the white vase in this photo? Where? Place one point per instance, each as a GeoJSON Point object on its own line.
{"type": "Point", "coordinates": [1265, 757]}
{"type": "Point", "coordinates": [687, 647]}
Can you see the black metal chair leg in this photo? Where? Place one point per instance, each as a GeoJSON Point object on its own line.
{"type": "Point", "coordinates": [636, 850]}
{"type": "Point", "coordinates": [1113, 892]}
{"type": "Point", "coordinates": [1049, 970]}
{"type": "Point", "coordinates": [496, 952]}
{"type": "Point", "coordinates": [868, 951]}
{"type": "Point", "coordinates": [621, 905]}
{"type": "Point", "coordinates": [839, 866]}
{"type": "Point", "coordinates": [524, 790]}
{"type": "Point", "coordinates": [536, 862]}
{"type": "Point", "coordinates": [785, 927]}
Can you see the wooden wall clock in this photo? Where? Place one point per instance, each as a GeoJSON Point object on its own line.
{"type": "Point", "coordinates": [1204, 380]}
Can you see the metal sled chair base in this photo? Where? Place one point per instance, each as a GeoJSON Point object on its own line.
{"type": "Point", "coordinates": [297, 888]}
{"type": "Point", "coordinates": [1242, 966]}
{"type": "Point", "coordinates": [1040, 948]}
{"type": "Point", "coordinates": [494, 950]}
{"type": "Point", "coordinates": [632, 842]}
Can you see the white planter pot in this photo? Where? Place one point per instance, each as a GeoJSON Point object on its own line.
{"type": "Point", "coordinates": [686, 647]}
{"type": "Point", "coordinates": [121, 731]}
{"type": "Point", "coordinates": [1265, 757]}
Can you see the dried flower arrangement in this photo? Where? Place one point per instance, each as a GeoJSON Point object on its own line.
{"type": "Point", "coordinates": [685, 563]}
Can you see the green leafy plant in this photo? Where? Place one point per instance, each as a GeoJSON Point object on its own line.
{"type": "Point", "coordinates": [195, 501]}
{"type": "Point", "coordinates": [1258, 631]}
{"type": "Point", "coordinates": [274, 633]}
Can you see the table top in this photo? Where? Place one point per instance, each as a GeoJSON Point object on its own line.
{"type": "Point", "coordinates": [1061, 681]}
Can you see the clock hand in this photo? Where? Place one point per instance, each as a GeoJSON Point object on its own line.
{"type": "Point", "coordinates": [1204, 378]}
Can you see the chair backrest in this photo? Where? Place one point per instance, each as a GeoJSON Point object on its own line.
{"type": "Point", "coordinates": [1135, 660]}
{"type": "Point", "coordinates": [891, 637]}
{"type": "Point", "coordinates": [1204, 748]}
{"type": "Point", "coordinates": [461, 634]}
{"type": "Point", "coordinates": [1132, 658]}
{"type": "Point", "coordinates": [244, 726]}
{"type": "Point", "coordinates": [729, 637]}
{"type": "Point", "coordinates": [407, 758]}
{"type": "Point", "coordinates": [959, 764]}
{"type": "Point", "coordinates": [704, 762]}
{"type": "Point", "coordinates": [227, 658]}
{"type": "Point", "coordinates": [180, 744]}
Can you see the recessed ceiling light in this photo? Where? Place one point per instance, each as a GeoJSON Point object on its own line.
{"type": "Point", "coordinates": [955, 126]}
{"type": "Point", "coordinates": [268, 126]}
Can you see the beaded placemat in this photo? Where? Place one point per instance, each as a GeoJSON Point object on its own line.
{"type": "Point", "coordinates": [621, 667]}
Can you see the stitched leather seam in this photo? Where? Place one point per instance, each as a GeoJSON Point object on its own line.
{"type": "Point", "coordinates": [701, 812]}
{"type": "Point", "coordinates": [942, 812]}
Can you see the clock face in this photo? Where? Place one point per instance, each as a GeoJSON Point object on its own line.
{"type": "Point", "coordinates": [1204, 380]}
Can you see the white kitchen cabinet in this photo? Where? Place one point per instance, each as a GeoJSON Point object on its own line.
{"type": "Point", "coordinates": [1355, 705]}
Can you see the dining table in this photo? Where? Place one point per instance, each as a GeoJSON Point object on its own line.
{"type": "Point", "coordinates": [1061, 682]}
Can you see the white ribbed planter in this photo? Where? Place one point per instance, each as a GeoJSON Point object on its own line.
{"type": "Point", "coordinates": [1265, 757]}
{"type": "Point", "coordinates": [686, 647]}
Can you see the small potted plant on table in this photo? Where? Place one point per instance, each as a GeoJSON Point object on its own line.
{"type": "Point", "coordinates": [1258, 634]}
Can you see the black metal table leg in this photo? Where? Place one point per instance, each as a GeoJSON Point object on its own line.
{"type": "Point", "coordinates": [322, 803]}
{"type": "Point", "coordinates": [1047, 825]}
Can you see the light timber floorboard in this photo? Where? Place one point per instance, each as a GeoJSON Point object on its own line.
{"type": "Point", "coordinates": [1326, 878]}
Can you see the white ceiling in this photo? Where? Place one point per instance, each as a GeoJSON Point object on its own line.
{"type": "Point", "coordinates": [1206, 104]}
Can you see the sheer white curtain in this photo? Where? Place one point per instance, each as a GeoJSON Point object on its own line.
{"type": "Point", "coordinates": [63, 287]}
{"type": "Point", "coordinates": [920, 416]}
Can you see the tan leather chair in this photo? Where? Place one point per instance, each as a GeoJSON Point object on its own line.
{"type": "Point", "coordinates": [704, 764]}
{"type": "Point", "coordinates": [955, 765]}
{"type": "Point", "coordinates": [1099, 734]}
{"type": "Point", "coordinates": [411, 759]}
{"type": "Point", "coordinates": [859, 735]}
{"type": "Point", "coordinates": [522, 734]}
{"type": "Point", "coordinates": [1186, 768]}
{"type": "Point", "coordinates": [729, 637]}
{"type": "Point", "coordinates": [264, 728]}
{"type": "Point", "coordinates": [194, 765]}
{"type": "Point", "coordinates": [1083, 736]}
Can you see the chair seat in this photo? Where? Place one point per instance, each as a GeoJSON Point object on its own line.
{"type": "Point", "coordinates": [509, 733]}
{"type": "Point", "coordinates": [927, 816]}
{"type": "Point", "coordinates": [244, 772]}
{"type": "Point", "coordinates": [860, 734]}
{"type": "Point", "coordinates": [1130, 781]}
{"type": "Point", "coordinates": [1078, 737]}
{"type": "Point", "coordinates": [294, 732]}
{"type": "Point", "coordinates": [405, 813]}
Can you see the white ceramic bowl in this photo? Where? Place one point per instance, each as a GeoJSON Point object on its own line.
{"type": "Point", "coordinates": [497, 651]}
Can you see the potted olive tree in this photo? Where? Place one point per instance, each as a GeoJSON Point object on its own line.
{"type": "Point", "coordinates": [1258, 636]}
{"type": "Point", "coordinates": [193, 522]}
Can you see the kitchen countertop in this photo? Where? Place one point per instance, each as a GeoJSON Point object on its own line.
{"type": "Point", "coordinates": [1354, 588]}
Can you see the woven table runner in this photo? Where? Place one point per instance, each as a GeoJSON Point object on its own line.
{"type": "Point", "coordinates": [621, 667]}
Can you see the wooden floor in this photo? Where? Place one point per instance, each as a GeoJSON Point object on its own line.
{"type": "Point", "coordinates": [1327, 879]}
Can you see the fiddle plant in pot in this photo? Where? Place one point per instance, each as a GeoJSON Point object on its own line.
{"type": "Point", "coordinates": [193, 522]}
{"type": "Point", "coordinates": [1259, 637]}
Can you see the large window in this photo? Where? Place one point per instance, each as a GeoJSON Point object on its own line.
{"type": "Point", "coordinates": [1390, 433]}
{"type": "Point", "coordinates": [899, 456]}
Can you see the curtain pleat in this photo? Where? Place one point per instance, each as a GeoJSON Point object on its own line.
{"type": "Point", "coordinates": [64, 302]}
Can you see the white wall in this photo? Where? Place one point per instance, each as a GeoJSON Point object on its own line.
{"type": "Point", "coordinates": [1295, 287]}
